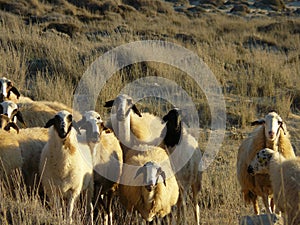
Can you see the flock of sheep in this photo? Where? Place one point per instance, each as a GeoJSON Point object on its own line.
{"type": "Point", "coordinates": [131, 155]}
{"type": "Point", "coordinates": [128, 156]}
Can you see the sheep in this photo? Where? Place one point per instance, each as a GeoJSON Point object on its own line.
{"type": "Point", "coordinates": [134, 128]}
{"type": "Point", "coordinates": [271, 133]}
{"type": "Point", "coordinates": [107, 157]}
{"type": "Point", "coordinates": [140, 188]}
{"type": "Point", "coordinates": [177, 139]}
{"type": "Point", "coordinates": [285, 180]}
{"type": "Point", "coordinates": [6, 90]}
{"type": "Point", "coordinates": [10, 155]}
{"type": "Point", "coordinates": [9, 114]}
{"type": "Point", "coordinates": [37, 113]}
{"type": "Point", "coordinates": [63, 168]}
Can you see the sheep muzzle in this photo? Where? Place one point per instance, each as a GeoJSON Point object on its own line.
{"type": "Point", "coordinates": [250, 170]}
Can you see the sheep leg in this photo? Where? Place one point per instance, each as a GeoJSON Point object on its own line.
{"type": "Point", "coordinates": [266, 198]}
{"type": "Point", "coordinates": [110, 197]}
{"type": "Point", "coordinates": [196, 189]}
{"type": "Point", "coordinates": [181, 204]}
{"type": "Point", "coordinates": [70, 208]}
{"type": "Point", "coordinates": [253, 198]}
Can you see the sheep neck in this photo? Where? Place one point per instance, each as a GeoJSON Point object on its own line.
{"type": "Point", "coordinates": [124, 131]}
{"type": "Point", "coordinates": [62, 146]}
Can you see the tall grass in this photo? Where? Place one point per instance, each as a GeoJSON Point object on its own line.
{"type": "Point", "coordinates": [258, 70]}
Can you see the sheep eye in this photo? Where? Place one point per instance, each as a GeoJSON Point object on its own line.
{"type": "Point", "coordinates": [98, 118]}
{"type": "Point", "coordinates": [69, 118]}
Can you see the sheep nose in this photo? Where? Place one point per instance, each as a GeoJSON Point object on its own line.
{"type": "Point", "coordinates": [95, 137]}
{"type": "Point", "coordinates": [150, 187]}
{"type": "Point", "coordinates": [250, 170]}
{"type": "Point", "coordinates": [120, 115]}
{"type": "Point", "coordinates": [271, 134]}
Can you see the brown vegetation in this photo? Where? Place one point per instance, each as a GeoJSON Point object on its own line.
{"type": "Point", "coordinates": [47, 45]}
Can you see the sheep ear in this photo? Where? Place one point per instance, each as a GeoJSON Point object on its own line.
{"type": "Point", "coordinates": [81, 122]}
{"type": "Point", "coordinates": [283, 127]}
{"type": "Point", "coordinates": [13, 125]}
{"type": "Point", "coordinates": [20, 118]}
{"type": "Point", "coordinates": [15, 91]}
{"type": "Point", "coordinates": [76, 127]}
{"type": "Point", "coordinates": [109, 103]}
{"type": "Point", "coordinates": [166, 118]}
{"type": "Point", "coordinates": [139, 171]}
{"type": "Point", "coordinates": [104, 128]}
{"type": "Point", "coordinates": [162, 173]}
{"type": "Point", "coordinates": [136, 111]}
{"type": "Point", "coordinates": [258, 122]}
{"type": "Point", "coordinates": [50, 123]}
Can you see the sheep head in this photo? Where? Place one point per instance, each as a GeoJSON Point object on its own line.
{"type": "Point", "coordinates": [91, 122]}
{"type": "Point", "coordinates": [62, 123]}
{"type": "Point", "coordinates": [10, 114]}
{"type": "Point", "coordinates": [173, 124]}
{"type": "Point", "coordinates": [260, 164]}
{"type": "Point", "coordinates": [6, 124]}
{"type": "Point", "coordinates": [151, 172]}
{"type": "Point", "coordinates": [123, 104]}
{"type": "Point", "coordinates": [6, 87]}
{"type": "Point", "coordinates": [272, 123]}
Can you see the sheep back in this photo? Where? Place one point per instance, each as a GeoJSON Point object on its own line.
{"type": "Point", "coordinates": [148, 128]}
{"type": "Point", "coordinates": [32, 141]}
{"type": "Point", "coordinates": [285, 179]}
{"type": "Point", "coordinates": [10, 154]}
{"type": "Point", "coordinates": [108, 162]}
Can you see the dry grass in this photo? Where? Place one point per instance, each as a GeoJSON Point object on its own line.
{"type": "Point", "coordinates": [256, 61]}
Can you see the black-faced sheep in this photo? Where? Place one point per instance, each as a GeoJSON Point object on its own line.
{"type": "Point", "coordinates": [8, 91]}
{"type": "Point", "coordinates": [151, 189]}
{"type": "Point", "coordinates": [132, 127]}
{"type": "Point", "coordinates": [64, 169]}
{"type": "Point", "coordinates": [271, 133]}
{"type": "Point", "coordinates": [285, 180]}
{"type": "Point", "coordinates": [183, 146]}
{"type": "Point", "coordinates": [107, 158]}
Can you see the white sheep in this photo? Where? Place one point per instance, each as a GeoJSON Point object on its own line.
{"type": "Point", "coordinates": [6, 90]}
{"type": "Point", "coordinates": [271, 133]}
{"type": "Point", "coordinates": [185, 157]}
{"type": "Point", "coordinates": [64, 169]}
{"type": "Point", "coordinates": [10, 113]}
{"type": "Point", "coordinates": [132, 127]}
{"type": "Point", "coordinates": [37, 113]}
{"type": "Point", "coordinates": [285, 180]}
{"type": "Point", "coordinates": [107, 158]}
{"type": "Point", "coordinates": [151, 189]}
